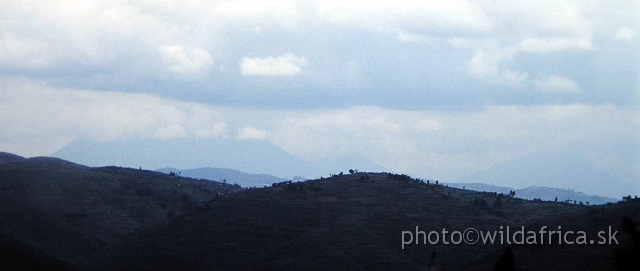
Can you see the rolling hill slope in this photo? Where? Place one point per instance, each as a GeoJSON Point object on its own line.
{"type": "Point", "coordinates": [356, 222]}
{"type": "Point", "coordinates": [73, 212]}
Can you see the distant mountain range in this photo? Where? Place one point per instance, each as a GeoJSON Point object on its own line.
{"type": "Point", "coordinates": [561, 171]}
{"type": "Point", "coordinates": [258, 162]}
{"type": "Point", "coordinates": [251, 156]}
{"type": "Point", "coordinates": [243, 179]}
{"type": "Point", "coordinates": [539, 192]}
{"type": "Point", "coordinates": [263, 157]}
{"type": "Point", "coordinates": [226, 175]}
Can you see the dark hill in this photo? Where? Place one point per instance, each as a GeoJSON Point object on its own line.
{"type": "Point", "coordinates": [42, 161]}
{"type": "Point", "coordinates": [66, 215]}
{"type": "Point", "coordinates": [74, 212]}
{"type": "Point", "coordinates": [356, 222]}
{"type": "Point", "coordinates": [6, 157]}
{"type": "Point", "coordinates": [15, 256]}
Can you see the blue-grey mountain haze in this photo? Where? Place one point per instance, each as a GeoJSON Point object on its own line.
{"type": "Point", "coordinates": [251, 156]}
{"type": "Point", "coordinates": [434, 89]}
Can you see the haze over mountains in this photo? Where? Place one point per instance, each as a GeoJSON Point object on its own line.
{"type": "Point", "coordinates": [263, 157]}
{"type": "Point", "coordinates": [226, 175]}
{"type": "Point", "coordinates": [561, 171]}
{"type": "Point", "coordinates": [251, 156]}
{"type": "Point", "coordinates": [538, 192]}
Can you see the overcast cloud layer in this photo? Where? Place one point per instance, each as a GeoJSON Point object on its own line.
{"type": "Point", "coordinates": [431, 88]}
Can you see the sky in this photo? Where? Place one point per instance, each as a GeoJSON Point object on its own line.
{"type": "Point", "coordinates": [428, 88]}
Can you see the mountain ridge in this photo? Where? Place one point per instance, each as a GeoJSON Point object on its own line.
{"type": "Point", "coordinates": [250, 156]}
{"type": "Point", "coordinates": [227, 175]}
{"type": "Point", "coordinates": [561, 171]}
{"type": "Point", "coordinates": [539, 192]}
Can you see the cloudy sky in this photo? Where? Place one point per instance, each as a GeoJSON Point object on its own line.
{"type": "Point", "coordinates": [429, 88]}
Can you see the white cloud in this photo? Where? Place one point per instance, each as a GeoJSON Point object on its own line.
{"type": "Point", "coordinates": [170, 131]}
{"type": "Point", "coordinates": [316, 135]}
{"type": "Point", "coordinates": [486, 65]}
{"type": "Point", "coordinates": [526, 27]}
{"type": "Point", "coordinates": [428, 125]}
{"type": "Point", "coordinates": [420, 17]}
{"type": "Point", "coordinates": [490, 61]}
{"type": "Point", "coordinates": [257, 12]}
{"type": "Point", "coordinates": [537, 45]}
{"type": "Point", "coordinates": [38, 112]}
{"type": "Point", "coordinates": [625, 33]}
{"type": "Point", "coordinates": [556, 83]}
{"type": "Point", "coordinates": [58, 34]}
{"type": "Point", "coordinates": [182, 61]}
{"type": "Point", "coordinates": [22, 53]}
{"type": "Point", "coordinates": [410, 37]}
{"type": "Point", "coordinates": [134, 41]}
{"type": "Point", "coordinates": [511, 78]}
{"type": "Point", "coordinates": [250, 133]}
{"type": "Point", "coordinates": [284, 65]}
{"type": "Point", "coordinates": [206, 122]}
